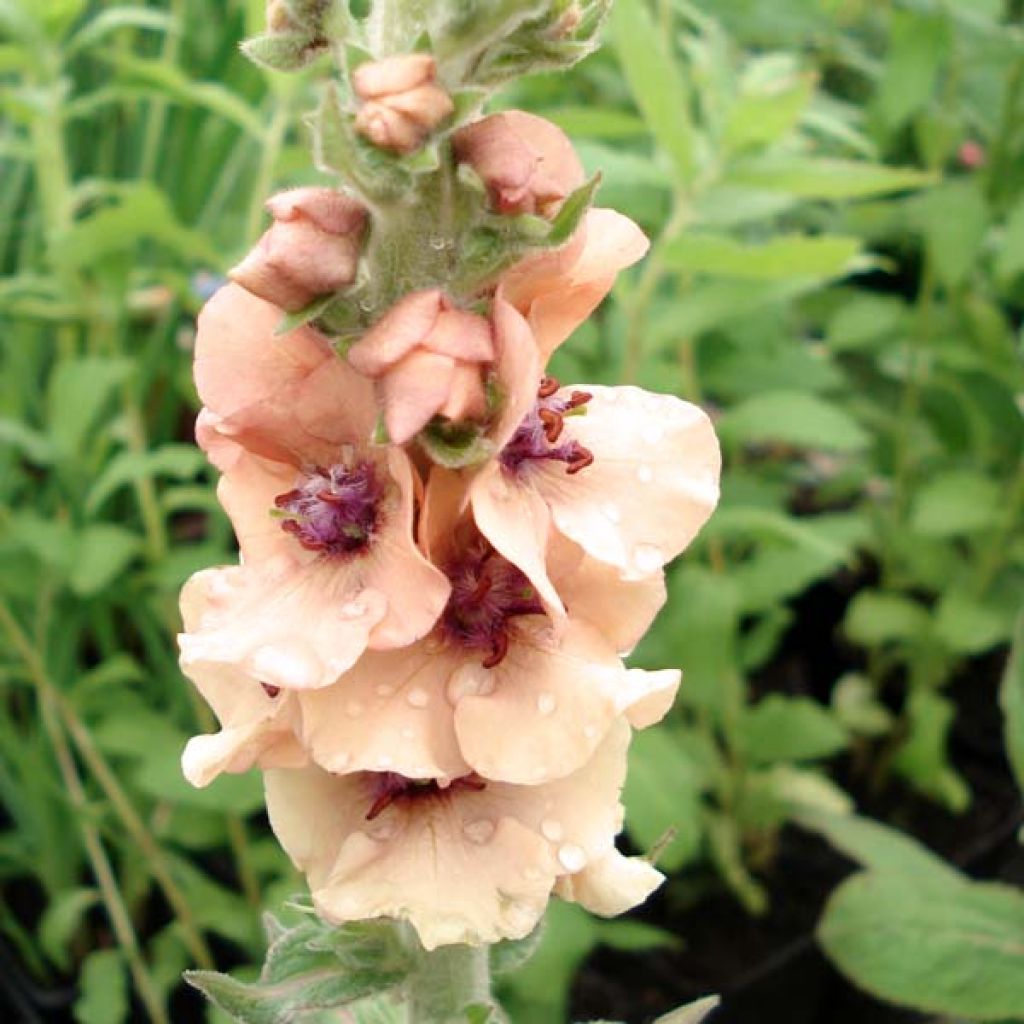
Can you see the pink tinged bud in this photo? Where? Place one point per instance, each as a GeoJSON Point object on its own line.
{"type": "Point", "coordinates": [527, 164]}
{"type": "Point", "coordinates": [311, 249]}
{"type": "Point", "coordinates": [972, 155]}
{"type": "Point", "coordinates": [402, 102]}
{"type": "Point", "coordinates": [428, 357]}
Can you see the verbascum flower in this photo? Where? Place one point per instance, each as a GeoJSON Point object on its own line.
{"type": "Point", "coordinates": [427, 356]}
{"type": "Point", "coordinates": [324, 521]}
{"type": "Point", "coordinates": [499, 688]}
{"type": "Point", "coordinates": [312, 248]}
{"type": "Point", "coordinates": [461, 859]}
{"type": "Point", "coordinates": [527, 164]}
{"type": "Point", "coordinates": [401, 101]}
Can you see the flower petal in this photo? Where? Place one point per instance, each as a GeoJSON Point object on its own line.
{"type": "Point", "coordinates": [414, 390]}
{"type": "Point", "coordinates": [611, 884]}
{"type": "Point", "coordinates": [653, 483]}
{"type": "Point", "coordinates": [396, 333]}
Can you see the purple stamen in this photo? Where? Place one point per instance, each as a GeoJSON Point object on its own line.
{"type": "Point", "coordinates": [333, 510]}
{"type": "Point", "coordinates": [388, 787]}
{"type": "Point", "coordinates": [536, 437]}
{"type": "Point", "coordinates": [487, 591]}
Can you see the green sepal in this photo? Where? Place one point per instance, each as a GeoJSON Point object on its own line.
{"type": "Point", "coordinates": [511, 954]}
{"type": "Point", "coordinates": [381, 435]}
{"type": "Point", "coordinates": [468, 103]}
{"type": "Point", "coordinates": [455, 445]}
{"type": "Point", "coordinates": [311, 967]}
{"type": "Point", "coordinates": [283, 51]}
{"type": "Point", "coordinates": [290, 321]}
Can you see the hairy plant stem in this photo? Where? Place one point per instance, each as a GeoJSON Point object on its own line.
{"type": "Point", "coordinates": [446, 981]}
{"type": "Point", "coordinates": [120, 919]}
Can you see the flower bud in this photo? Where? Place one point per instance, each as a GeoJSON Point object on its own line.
{"type": "Point", "coordinates": [402, 102]}
{"type": "Point", "coordinates": [311, 249]}
{"type": "Point", "coordinates": [279, 17]}
{"type": "Point", "coordinates": [526, 163]}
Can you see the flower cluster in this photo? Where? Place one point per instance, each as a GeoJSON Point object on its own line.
{"type": "Point", "coordinates": [427, 659]}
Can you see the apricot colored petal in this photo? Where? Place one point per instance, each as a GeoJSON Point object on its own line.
{"type": "Point", "coordinates": [541, 713]}
{"type": "Point", "coordinates": [467, 398]}
{"type": "Point", "coordinates": [517, 369]}
{"type": "Point", "coordinates": [611, 884]}
{"type": "Point", "coordinates": [646, 697]}
{"type": "Point", "coordinates": [653, 483]}
{"type": "Point", "coordinates": [461, 335]}
{"type": "Point", "coordinates": [289, 624]}
{"type": "Point", "coordinates": [330, 210]}
{"type": "Point", "coordinates": [393, 74]}
{"type": "Point", "coordinates": [517, 522]}
{"type": "Point", "coordinates": [240, 362]}
{"type": "Point", "coordinates": [416, 590]}
{"type": "Point", "coordinates": [247, 491]}
{"type": "Point", "coordinates": [396, 333]}
{"type": "Point", "coordinates": [389, 713]}
{"type": "Point", "coordinates": [414, 391]}
{"type": "Point", "coordinates": [444, 508]}
{"type": "Point", "coordinates": [622, 610]}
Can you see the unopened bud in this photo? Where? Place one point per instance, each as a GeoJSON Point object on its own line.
{"type": "Point", "coordinates": [402, 102]}
{"type": "Point", "coordinates": [972, 154]}
{"type": "Point", "coordinates": [527, 164]}
{"type": "Point", "coordinates": [567, 22]}
{"type": "Point", "coordinates": [311, 249]}
{"type": "Point", "coordinates": [279, 17]}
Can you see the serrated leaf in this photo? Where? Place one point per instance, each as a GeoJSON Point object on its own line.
{"type": "Point", "coordinates": [949, 947]}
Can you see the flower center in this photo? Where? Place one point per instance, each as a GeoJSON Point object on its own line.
{"type": "Point", "coordinates": [388, 787]}
{"type": "Point", "coordinates": [487, 591]}
{"type": "Point", "coordinates": [537, 437]}
{"type": "Point", "coordinates": [333, 510]}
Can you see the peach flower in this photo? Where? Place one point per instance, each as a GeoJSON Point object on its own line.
{"type": "Point", "coordinates": [401, 101]}
{"type": "Point", "coordinates": [259, 723]}
{"type": "Point", "coordinates": [311, 249]}
{"type": "Point", "coordinates": [463, 860]}
{"type": "Point", "coordinates": [324, 521]}
{"type": "Point", "coordinates": [628, 475]}
{"type": "Point", "coordinates": [527, 164]}
{"type": "Point", "coordinates": [428, 358]}
{"type": "Point", "coordinates": [557, 290]}
{"type": "Point", "coordinates": [499, 687]}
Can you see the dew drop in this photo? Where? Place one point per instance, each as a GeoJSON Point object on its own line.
{"type": "Point", "coordinates": [546, 704]}
{"type": "Point", "coordinates": [648, 558]}
{"type": "Point", "coordinates": [551, 830]}
{"type": "Point", "coordinates": [571, 857]}
{"type": "Point", "coordinates": [384, 690]}
{"type": "Point", "coordinates": [612, 512]}
{"type": "Point", "coordinates": [652, 433]}
{"type": "Point", "coordinates": [479, 831]}
{"type": "Point", "coordinates": [590, 731]}
{"type": "Point", "coordinates": [353, 609]}
{"type": "Point", "coordinates": [408, 734]}
{"type": "Point", "coordinates": [340, 760]}
{"type": "Point", "coordinates": [644, 474]}
{"type": "Point", "coordinates": [354, 708]}
{"type": "Point", "coordinates": [438, 243]}
{"type": "Point", "coordinates": [417, 698]}
{"type": "Point", "coordinates": [469, 681]}
{"type": "Point", "coordinates": [385, 761]}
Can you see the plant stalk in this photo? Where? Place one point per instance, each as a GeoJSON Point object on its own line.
{"type": "Point", "coordinates": [446, 981]}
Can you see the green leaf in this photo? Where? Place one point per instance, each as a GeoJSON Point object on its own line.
{"type": "Point", "coordinates": [1011, 700]}
{"type": "Point", "coordinates": [657, 83]}
{"type": "Point", "coordinates": [923, 758]}
{"type": "Point", "coordinates": [792, 418]}
{"type": "Point", "coordinates": [61, 920]}
{"type": "Point", "coordinates": [78, 391]}
{"type": "Point", "coordinates": [282, 51]}
{"type": "Point", "coordinates": [103, 551]}
{"type": "Point", "coordinates": [104, 993]}
{"type": "Point", "coordinates": [726, 848]}
{"type": "Point", "coordinates": [875, 845]}
{"type": "Point", "coordinates": [971, 625]}
{"type": "Point", "coordinates": [858, 708]}
{"type": "Point", "coordinates": [954, 218]}
{"type": "Point", "coordinates": [780, 728]}
{"type": "Point", "coordinates": [956, 502]}
{"type": "Point", "coordinates": [918, 44]}
{"type": "Point", "coordinates": [663, 796]}
{"type": "Point", "coordinates": [510, 954]}
{"type": "Point", "coordinates": [177, 461]}
{"type": "Point", "coordinates": [767, 111]}
{"type": "Point", "coordinates": [877, 617]}
{"type": "Point", "coordinates": [113, 19]}
{"type": "Point", "coordinates": [781, 257]}
{"type": "Point", "coordinates": [1010, 257]}
{"type": "Point", "coordinates": [821, 178]}
{"type": "Point", "coordinates": [949, 947]}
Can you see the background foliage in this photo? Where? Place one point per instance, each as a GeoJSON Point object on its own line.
{"type": "Point", "coordinates": [836, 193]}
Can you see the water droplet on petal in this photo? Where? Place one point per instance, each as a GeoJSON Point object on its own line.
{"type": "Point", "coordinates": [385, 761]}
{"type": "Point", "coordinates": [479, 831]}
{"type": "Point", "coordinates": [572, 857]}
{"type": "Point", "coordinates": [353, 708]}
{"type": "Point", "coordinates": [611, 512]}
{"type": "Point", "coordinates": [648, 558]}
{"type": "Point", "coordinates": [408, 734]}
{"type": "Point", "coordinates": [417, 698]}
{"type": "Point", "coordinates": [590, 731]}
{"type": "Point", "coordinates": [472, 680]}
{"type": "Point", "coordinates": [384, 690]}
{"type": "Point", "coordinates": [340, 760]}
{"type": "Point", "coordinates": [551, 830]}
{"type": "Point", "coordinates": [546, 704]}
{"type": "Point", "coordinates": [532, 874]}
{"type": "Point", "coordinates": [644, 474]}
{"type": "Point", "coordinates": [353, 609]}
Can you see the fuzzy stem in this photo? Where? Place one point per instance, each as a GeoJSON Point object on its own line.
{"type": "Point", "coordinates": [446, 981]}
